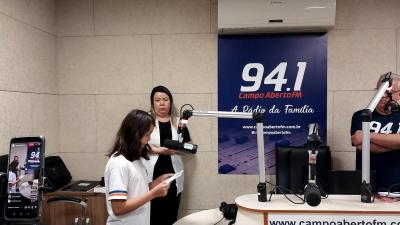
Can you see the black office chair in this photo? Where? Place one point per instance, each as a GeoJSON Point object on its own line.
{"type": "Point", "coordinates": [292, 167]}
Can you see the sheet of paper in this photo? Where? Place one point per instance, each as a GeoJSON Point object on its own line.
{"type": "Point", "coordinates": [173, 177]}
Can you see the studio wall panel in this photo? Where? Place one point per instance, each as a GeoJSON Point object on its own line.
{"type": "Point", "coordinates": [116, 17]}
{"type": "Point", "coordinates": [398, 52]}
{"type": "Point", "coordinates": [27, 58]}
{"type": "Point", "coordinates": [367, 14]}
{"type": "Point", "coordinates": [357, 57]}
{"type": "Point", "coordinates": [85, 166]}
{"type": "Point", "coordinates": [344, 105]}
{"type": "Point", "coordinates": [330, 116]}
{"type": "Point", "coordinates": [186, 63]}
{"type": "Point", "coordinates": [15, 117]}
{"type": "Point", "coordinates": [75, 17]}
{"type": "Point", "coordinates": [77, 123]}
{"type": "Point", "coordinates": [45, 120]}
{"type": "Point", "coordinates": [37, 13]}
{"type": "Point", "coordinates": [214, 16]}
{"type": "Point", "coordinates": [344, 161]}
{"type": "Point", "coordinates": [105, 65]}
{"type": "Point", "coordinates": [110, 111]}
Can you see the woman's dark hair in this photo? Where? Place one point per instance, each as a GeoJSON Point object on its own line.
{"type": "Point", "coordinates": [127, 142]}
{"type": "Point", "coordinates": [172, 111]}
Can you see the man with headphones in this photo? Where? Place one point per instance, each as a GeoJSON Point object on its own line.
{"type": "Point", "coordinates": [385, 136]}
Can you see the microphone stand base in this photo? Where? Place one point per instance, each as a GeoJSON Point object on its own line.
{"type": "Point", "coordinates": [366, 192]}
{"type": "Point", "coordinates": [262, 192]}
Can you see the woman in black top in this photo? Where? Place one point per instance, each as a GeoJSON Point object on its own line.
{"type": "Point", "coordinates": [164, 210]}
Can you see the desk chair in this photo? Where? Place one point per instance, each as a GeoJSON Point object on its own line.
{"type": "Point", "coordinates": [292, 167]}
{"type": "Point", "coordinates": [84, 218]}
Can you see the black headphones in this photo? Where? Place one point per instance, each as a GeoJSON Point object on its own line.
{"type": "Point", "coordinates": [229, 211]}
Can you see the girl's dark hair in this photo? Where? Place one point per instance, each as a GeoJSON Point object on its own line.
{"type": "Point", "coordinates": [127, 142]}
{"type": "Point", "coordinates": [172, 110]}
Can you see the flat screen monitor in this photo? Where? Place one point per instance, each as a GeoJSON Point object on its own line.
{"type": "Point", "coordinates": [292, 167]}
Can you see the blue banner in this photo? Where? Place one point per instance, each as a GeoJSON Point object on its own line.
{"type": "Point", "coordinates": [282, 76]}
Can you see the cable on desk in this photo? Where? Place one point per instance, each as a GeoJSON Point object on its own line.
{"type": "Point", "coordinates": [219, 221]}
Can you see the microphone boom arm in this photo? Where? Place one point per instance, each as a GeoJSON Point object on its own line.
{"type": "Point", "coordinates": [366, 114]}
{"type": "Point", "coordinates": [258, 117]}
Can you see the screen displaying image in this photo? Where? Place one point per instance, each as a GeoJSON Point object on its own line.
{"type": "Point", "coordinates": [23, 179]}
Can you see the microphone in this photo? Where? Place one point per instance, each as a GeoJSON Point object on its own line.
{"type": "Point", "coordinates": [312, 194]}
{"type": "Point", "coordinates": [181, 125]}
{"type": "Point", "coordinates": [187, 114]}
{"type": "Point", "coordinates": [313, 139]}
{"type": "Point", "coordinates": [184, 147]}
{"type": "Point", "coordinates": [392, 106]}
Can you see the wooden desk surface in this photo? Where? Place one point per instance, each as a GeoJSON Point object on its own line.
{"type": "Point", "coordinates": [332, 204]}
{"type": "Point", "coordinates": [335, 208]}
{"type": "Point", "coordinates": [74, 193]}
{"type": "Point", "coordinates": [204, 217]}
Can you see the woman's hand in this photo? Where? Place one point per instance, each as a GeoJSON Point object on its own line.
{"type": "Point", "coordinates": [169, 151]}
{"type": "Point", "coordinates": [162, 150]}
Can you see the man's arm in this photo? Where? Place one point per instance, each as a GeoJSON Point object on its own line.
{"type": "Point", "coordinates": [379, 142]}
{"type": "Point", "coordinates": [388, 141]}
{"type": "Point", "coordinates": [373, 148]}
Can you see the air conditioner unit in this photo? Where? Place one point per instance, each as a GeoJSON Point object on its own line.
{"type": "Point", "coordinates": [275, 16]}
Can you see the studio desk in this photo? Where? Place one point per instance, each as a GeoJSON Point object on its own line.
{"type": "Point", "coordinates": [64, 213]}
{"type": "Point", "coordinates": [334, 210]}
